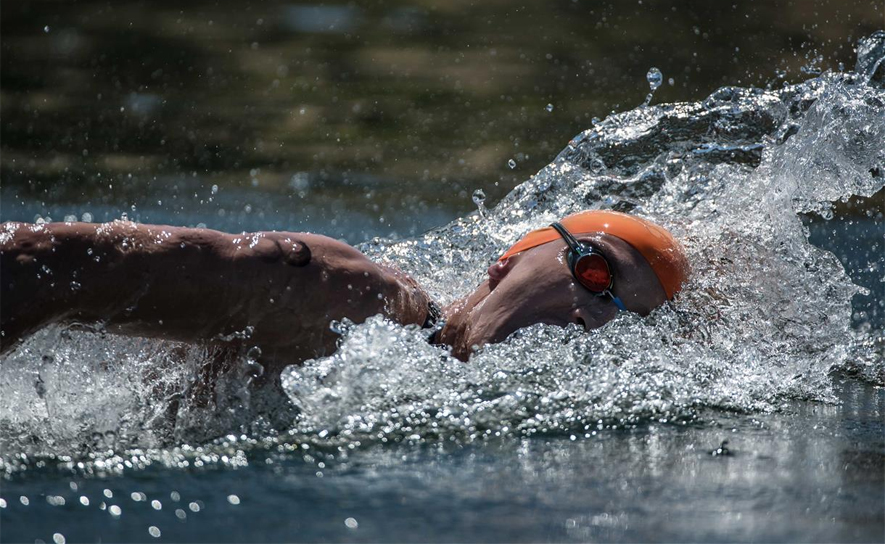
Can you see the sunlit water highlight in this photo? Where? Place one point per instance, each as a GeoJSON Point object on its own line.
{"type": "Point", "coordinates": [765, 319]}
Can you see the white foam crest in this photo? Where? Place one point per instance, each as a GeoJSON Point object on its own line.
{"type": "Point", "coordinates": [67, 392]}
{"type": "Point", "coordinates": [384, 384]}
{"type": "Point", "coordinates": [765, 317]}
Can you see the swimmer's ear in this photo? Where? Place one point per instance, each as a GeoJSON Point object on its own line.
{"type": "Point", "coordinates": [499, 270]}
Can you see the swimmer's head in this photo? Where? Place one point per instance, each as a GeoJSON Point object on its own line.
{"type": "Point", "coordinates": [533, 281]}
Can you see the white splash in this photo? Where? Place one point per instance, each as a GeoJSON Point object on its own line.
{"type": "Point", "coordinates": [766, 317]}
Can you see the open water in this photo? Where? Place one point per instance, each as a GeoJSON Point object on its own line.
{"type": "Point", "coordinates": [750, 409]}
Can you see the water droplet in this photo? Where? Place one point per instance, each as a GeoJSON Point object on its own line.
{"type": "Point", "coordinates": [115, 511]}
{"type": "Point", "coordinates": [654, 78]}
{"type": "Point", "coordinates": [511, 163]}
{"type": "Point", "coordinates": [254, 369]}
{"type": "Point", "coordinates": [351, 523]}
{"type": "Point", "coordinates": [549, 107]}
{"type": "Point", "coordinates": [58, 538]}
{"type": "Point", "coordinates": [84, 500]}
{"type": "Point", "coordinates": [156, 505]}
{"type": "Point", "coordinates": [46, 29]}
{"type": "Point", "coordinates": [215, 189]}
{"type": "Point", "coordinates": [154, 531]}
{"type": "Point", "coordinates": [479, 197]}
{"type": "Point", "coordinates": [233, 499]}
{"type": "Point", "coordinates": [86, 217]}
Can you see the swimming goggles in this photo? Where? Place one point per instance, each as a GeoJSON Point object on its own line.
{"type": "Point", "coordinates": [589, 267]}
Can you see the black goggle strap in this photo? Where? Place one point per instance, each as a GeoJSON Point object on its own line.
{"type": "Point", "coordinates": [577, 249]}
{"type": "Point", "coordinates": [570, 240]}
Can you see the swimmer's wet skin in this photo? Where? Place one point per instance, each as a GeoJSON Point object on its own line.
{"type": "Point", "coordinates": [532, 282]}
{"type": "Point", "coordinates": [195, 285]}
{"type": "Point", "coordinates": [279, 291]}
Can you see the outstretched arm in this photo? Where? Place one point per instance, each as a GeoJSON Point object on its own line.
{"type": "Point", "coordinates": [274, 290]}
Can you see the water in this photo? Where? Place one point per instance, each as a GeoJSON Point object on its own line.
{"type": "Point", "coordinates": [812, 472]}
{"type": "Point", "coordinates": [619, 434]}
{"type": "Point", "coordinates": [654, 78]}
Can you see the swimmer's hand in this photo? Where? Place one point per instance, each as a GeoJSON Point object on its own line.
{"type": "Point", "coordinates": [278, 291]}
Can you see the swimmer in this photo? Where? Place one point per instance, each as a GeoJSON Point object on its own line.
{"type": "Point", "coordinates": [279, 291]}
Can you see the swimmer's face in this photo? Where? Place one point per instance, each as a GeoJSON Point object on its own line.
{"type": "Point", "coordinates": [536, 286]}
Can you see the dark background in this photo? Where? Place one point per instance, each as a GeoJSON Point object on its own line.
{"type": "Point", "coordinates": [367, 109]}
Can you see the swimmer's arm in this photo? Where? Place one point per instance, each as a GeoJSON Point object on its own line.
{"type": "Point", "coordinates": [278, 291]}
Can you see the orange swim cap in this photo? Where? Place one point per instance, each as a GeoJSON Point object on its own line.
{"type": "Point", "coordinates": [663, 252]}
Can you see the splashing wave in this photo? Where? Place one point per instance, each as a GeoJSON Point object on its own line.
{"type": "Point", "coordinates": [766, 316]}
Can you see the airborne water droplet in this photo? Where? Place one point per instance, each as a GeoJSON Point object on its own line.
{"type": "Point", "coordinates": [654, 78]}
{"type": "Point", "coordinates": [479, 198]}
{"type": "Point", "coordinates": [549, 107]}
{"type": "Point", "coordinates": [511, 163]}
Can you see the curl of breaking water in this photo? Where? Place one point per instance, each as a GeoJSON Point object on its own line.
{"type": "Point", "coordinates": [766, 315]}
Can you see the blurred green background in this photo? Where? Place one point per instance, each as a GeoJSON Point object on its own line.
{"type": "Point", "coordinates": [396, 109]}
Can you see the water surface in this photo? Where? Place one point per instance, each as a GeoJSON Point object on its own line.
{"type": "Point", "coordinates": [751, 409]}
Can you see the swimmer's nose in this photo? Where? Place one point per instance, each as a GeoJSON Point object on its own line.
{"type": "Point", "coordinates": [593, 317]}
{"type": "Point", "coordinates": [582, 317]}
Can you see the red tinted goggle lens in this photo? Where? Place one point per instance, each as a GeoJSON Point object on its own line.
{"type": "Point", "coordinates": [593, 272]}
